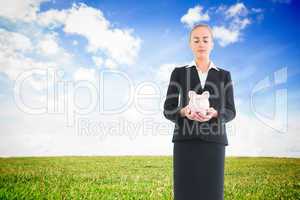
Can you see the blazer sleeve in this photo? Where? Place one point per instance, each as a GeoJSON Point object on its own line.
{"type": "Point", "coordinates": [227, 112]}
{"type": "Point", "coordinates": [171, 108]}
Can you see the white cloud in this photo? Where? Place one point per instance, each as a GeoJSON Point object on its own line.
{"type": "Point", "coordinates": [119, 45]}
{"type": "Point", "coordinates": [238, 9]}
{"type": "Point", "coordinates": [97, 60]}
{"type": "Point", "coordinates": [12, 61]}
{"type": "Point", "coordinates": [109, 63]}
{"type": "Point", "coordinates": [84, 74]}
{"type": "Point", "coordinates": [132, 115]}
{"type": "Point", "coordinates": [164, 72]}
{"type": "Point", "coordinates": [247, 136]}
{"type": "Point", "coordinates": [240, 24]}
{"type": "Point", "coordinates": [52, 18]}
{"type": "Point", "coordinates": [194, 15]}
{"type": "Point", "coordinates": [48, 44]}
{"type": "Point", "coordinates": [225, 36]}
{"type": "Point", "coordinates": [19, 53]}
{"type": "Point", "coordinates": [257, 10]}
{"type": "Point", "coordinates": [47, 47]}
{"type": "Point", "coordinates": [237, 17]}
{"type": "Point", "coordinates": [23, 10]}
{"type": "Point", "coordinates": [250, 137]}
{"type": "Point", "coordinates": [11, 41]}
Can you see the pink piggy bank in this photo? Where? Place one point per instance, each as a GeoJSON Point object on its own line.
{"type": "Point", "coordinates": [199, 102]}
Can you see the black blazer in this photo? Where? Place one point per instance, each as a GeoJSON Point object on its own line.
{"type": "Point", "coordinates": [219, 85]}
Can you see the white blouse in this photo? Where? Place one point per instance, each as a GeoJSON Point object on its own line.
{"type": "Point", "coordinates": [203, 75]}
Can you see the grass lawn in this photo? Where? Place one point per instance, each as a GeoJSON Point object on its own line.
{"type": "Point", "coordinates": [139, 177]}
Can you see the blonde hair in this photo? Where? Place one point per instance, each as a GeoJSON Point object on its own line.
{"type": "Point", "coordinates": [201, 25]}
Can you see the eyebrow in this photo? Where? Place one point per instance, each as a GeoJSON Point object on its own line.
{"type": "Point", "coordinates": [196, 37]}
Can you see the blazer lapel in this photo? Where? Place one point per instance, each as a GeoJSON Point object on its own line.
{"type": "Point", "coordinates": [210, 79]}
{"type": "Point", "coordinates": [195, 83]}
{"type": "Point", "coordinates": [209, 85]}
{"type": "Point", "coordinates": [195, 80]}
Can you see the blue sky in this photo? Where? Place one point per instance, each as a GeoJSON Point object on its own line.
{"type": "Point", "coordinates": [137, 44]}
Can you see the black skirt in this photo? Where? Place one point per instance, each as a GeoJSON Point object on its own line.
{"type": "Point", "coordinates": [198, 170]}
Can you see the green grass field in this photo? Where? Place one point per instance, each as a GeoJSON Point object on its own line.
{"type": "Point", "coordinates": [139, 177]}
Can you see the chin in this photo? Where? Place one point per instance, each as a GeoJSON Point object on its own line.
{"type": "Point", "coordinates": [202, 55]}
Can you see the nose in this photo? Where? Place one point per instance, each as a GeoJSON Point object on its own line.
{"type": "Point", "coordinates": [200, 44]}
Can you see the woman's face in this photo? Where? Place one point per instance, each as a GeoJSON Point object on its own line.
{"type": "Point", "coordinates": [201, 42]}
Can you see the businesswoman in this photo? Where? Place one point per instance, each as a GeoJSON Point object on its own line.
{"type": "Point", "coordinates": [199, 140]}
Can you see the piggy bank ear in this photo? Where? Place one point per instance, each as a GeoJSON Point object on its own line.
{"type": "Point", "coordinates": [191, 93]}
{"type": "Point", "coordinates": [205, 94]}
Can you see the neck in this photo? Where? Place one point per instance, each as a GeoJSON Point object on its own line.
{"type": "Point", "coordinates": [202, 64]}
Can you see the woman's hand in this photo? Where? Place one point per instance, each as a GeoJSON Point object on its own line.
{"type": "Point", "coordinates": [212, 112]}
{"type": "Point", "coordinates": [186, 112]}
